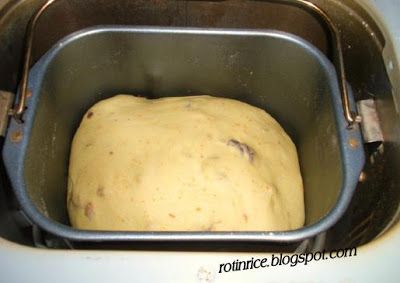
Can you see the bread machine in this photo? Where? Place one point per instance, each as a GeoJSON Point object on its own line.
{"type": "Point", "coordinates": [338, 56]}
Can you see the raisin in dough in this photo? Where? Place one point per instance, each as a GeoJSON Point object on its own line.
{"type": "Point", "coordinates": [196, 163]}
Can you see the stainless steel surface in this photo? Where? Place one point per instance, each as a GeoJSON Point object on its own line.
{"type": "Point", "coordinates": [278, 72]}
{"type": "Point", "coordinates": [376, 200]}
{"type": "Point", "coordinates": [350, 116]}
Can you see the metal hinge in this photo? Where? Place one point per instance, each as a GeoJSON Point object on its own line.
{"type": "Point", "coordinates": [370, 125]}
{"type": "Point", "coordinates": [6, 100]}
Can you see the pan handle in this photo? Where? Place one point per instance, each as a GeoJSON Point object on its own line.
{"type": "Point", "coordinates": [350, 116]}
{"type": "Point", "coordinates": [19, 109]}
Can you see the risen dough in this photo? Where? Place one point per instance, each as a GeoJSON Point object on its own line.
{"type": "Point", "coordinates": [195, 163]}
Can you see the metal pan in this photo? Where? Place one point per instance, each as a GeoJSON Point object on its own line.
{"type": "Point", "coordinates": [278, 72]}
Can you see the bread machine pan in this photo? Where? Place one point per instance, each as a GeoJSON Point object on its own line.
{"type": "Point", "coordinates": [278, 72]}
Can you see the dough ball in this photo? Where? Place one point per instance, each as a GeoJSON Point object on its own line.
{"type": "Point", "coordinates": [197, 163]}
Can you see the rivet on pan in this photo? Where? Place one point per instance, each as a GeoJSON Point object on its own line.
{"type": "Point", "coordinates": [28, 93]}
{"type": "Point", "coordinates": [358, 119]}
{"type": "Point", "coordinates": [353, 143]}
{"type": "Point", "coordinates": [16, 136]}
{"type": "Point", "coordinates": [362, 177]}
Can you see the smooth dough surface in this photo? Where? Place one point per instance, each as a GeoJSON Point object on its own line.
{"type": "Point", "coordinates": [196, 163]}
